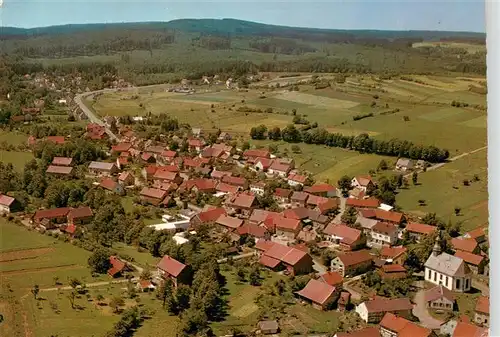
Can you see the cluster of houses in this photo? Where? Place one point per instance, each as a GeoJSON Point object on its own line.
{"type": "Point", "coordinates": [307, 213]}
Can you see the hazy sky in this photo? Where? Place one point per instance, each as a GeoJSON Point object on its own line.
{"type": "Point", "coordinates": [453, 15]}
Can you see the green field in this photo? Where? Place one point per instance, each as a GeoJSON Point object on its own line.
{"type": "Point", "coordinates": [443, 190]}
{"type": "Point", "coordinates": [13, 138]}
{"type": "Point", "coordinates": [16, 158]}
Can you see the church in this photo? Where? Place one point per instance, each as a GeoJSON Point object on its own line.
{"type": "Point", "coordinates": [447, 270]}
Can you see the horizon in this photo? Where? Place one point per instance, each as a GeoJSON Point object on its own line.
{"type": "Point", "coordinates": [404, 15]}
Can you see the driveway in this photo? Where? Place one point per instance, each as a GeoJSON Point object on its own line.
{"type": "Point", "coordinates": [420, 311]}
{"type": "Point", "coordinates": [337, 219]}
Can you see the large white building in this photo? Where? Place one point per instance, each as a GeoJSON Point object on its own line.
{"type": "Point", "coordinates": [447, 270]}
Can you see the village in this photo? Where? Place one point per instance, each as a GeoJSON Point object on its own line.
{"type": "Point", "coordinates": [276, 215]}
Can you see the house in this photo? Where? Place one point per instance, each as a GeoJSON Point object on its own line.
{"type": "Point", "coordinates": [477, 234]}
{"type": "Point", "coordinates": [322, 190]}
{"type": "Point", "coordinates": [279, 168]}
{"type": "Point", "coordinates": [282, 195]}
{"type": "Point", "coordinates": [262, 164]}
{"type": "Point", "coordinates": [48, 217]}
{"type": "Point", "coordinates": [439, 298]}
{"type": "Point", "coordinates": [126, 179]}
{"type": "Point", "coordinates": [465, 245]}
{"type": "Point", "coordinates": [299, 199]}
{"type": "Point", "coordinates": [372, 311]}
{"type": "Point", "coordinates": [200, 185]}
{"type": "Point", "coordinates": [243, 203]}
{"type": "Point", "coordinates": [404, 164]}
{"type": "Point", "coordinates": [111, 185]}
{"type": "Point", "coordinates": [102, 169]}
{"type": "Point", "coordinates": [145, 286]}
{"type": "Point", "coordinates": [118, 267]}
{"type": "Point", "coordinates": [389, 216]}
{"type": "Point", "coordinates": [196, 144]}
{"type": "Point", "coordinates": [8, 204]}
{"type": "Point", "coordinates": [167, 156]}
{"type": "Point", "coordinates": [314, 200]}
{"type": "Point", "coordinates": [268, 327]}
{"type": "Point", "coordinates": [148, 157]}
{"type": "Point", "coordinates": [362, 203]}
{"type": "Point", "coordinates": [395, 254]}
{"type": "Point", "coordinates": [208, 216]}
{"type": "Point", "coordinates": [252, 230]}
{"type": "Point", "coordinates": [344, 301]}
{"type": "Point", "coordinates": [62, 161]}
{"type": "Point", "coordinates": [224, 136]}
{"type": "Point", "coordinates": [420, 164]}
{"type": "Point", "coordinates": [363, 183]}
{"type": "Point", "coordinates": [286, 227]}
{"type": "Point", "coordinates": [153, 196]}
{"type": "Point", "coordinates": [258, 187]}
{"type": "Point", "coordinates": [252, 155]}
{"type": "Point", "coordinates": [239, 182]}
{"type": "Point", "coordinates": [229, 222]}
{"type": "Point", "coordinates": [80, 216]}
{"type": "Point", "coordinates": [394, 326]}
{"type": "Point", "coordinates": [258, 216]}
{"type": "Point", "coordinates": [226, 188]}
{"type": "Point", "coordinates": [476, 263]}
{"type": "Point", "coordinates": [321, 295]}
{"type": "Point", "coordinates": [465, 329]}
{"type": "Point", "coordinates": [482, 311]}
{"type": "Point", "coordinates": [59, 170]}
{"type": "Point", "coordinates": [327, 207]}
{"type": "Point", "coordinates": [392, 271]}
{"type": "Point", "coordinates": [447, 270]}
{"type": "Point", "coordinates": [418, 230]}
{"type": "Point", "coordinates": [296, 179]}
{"type": "Point", "coordinates": [277, 256]}
{"type": "Point", "coordinates": [352, 263]}
{"type": "Point", "coordinates": [372, 331]}
{"type": "Point", "coordinates": [178, 272]}
{"type": "Point", "coordinates": [347, 237]}
{"type": "Point", "coordinates": [168, 176]}
{"type": "Point", "coordinates": [332, 278]}
{"type": "Point", "coordinates": [121, 147]}
{"type": "Point", "coordinates": [218, 175]}
{"type": "Point", "coordinates": [382, 234]}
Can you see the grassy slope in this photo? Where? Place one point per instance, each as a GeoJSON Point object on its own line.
{"type": "Point", "coordinates": [16, 158]}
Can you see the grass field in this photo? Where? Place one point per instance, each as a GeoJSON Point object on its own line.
{"type": "Point", "coordinates": [443, 190]}
{"type": "Point", "coordinates": [13, 138]}
{"type": "Point", "coordinates": [16, 158]}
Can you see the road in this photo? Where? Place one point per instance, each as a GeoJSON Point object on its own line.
{"type": "Point", "coordinates": [420, 311]}
{"type": "Point", "coordinates": [90, 115]}
{"type": "Point", "coordinates": [338, 217]}
{"type": "Point", "coordinates": [90, 285]}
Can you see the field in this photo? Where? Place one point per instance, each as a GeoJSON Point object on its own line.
{"type": "Point", "coordinates": [29, 258]}
{"type": "Point", "coordinates": [13, 138]}
{"type": "Point", "coordinates": [443, 190]}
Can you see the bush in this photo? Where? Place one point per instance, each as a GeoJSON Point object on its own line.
{"type": "Point", "coordinates": [358, 117]}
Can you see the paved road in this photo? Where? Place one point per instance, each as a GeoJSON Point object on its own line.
{"type": "Point", "coordinates": [420, 311]}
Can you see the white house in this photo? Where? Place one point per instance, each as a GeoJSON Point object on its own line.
{"type": "Point", "coordinates": [404, 164]}
{"type": "Point", "coordinates": [362, 182]}
{"type": "Point", "coordinates": [296, 179]}
{"type": "Point", "coordinates": [258, 188]}
{"type": "Point", "coordinates": [447, 270]}
{"type": "Point", "coordinates": [382, 234]}
{"type": "Point", "coordinates": [280, 169]}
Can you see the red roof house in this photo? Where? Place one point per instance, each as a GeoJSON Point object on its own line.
{"type": "Point", "coordinates": [320, 294]}
{"type": "Point", "coordinates": [178, 272]}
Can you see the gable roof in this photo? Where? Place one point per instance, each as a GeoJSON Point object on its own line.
{"type": "Point", "coordinates": [171, 266]}
{"type": "Point", "coordinates": [483, 305]}
{"type": "Point", "coordinates": [298, 213]}
{"type": "Point", "coordinates": [466, 245]}
{"type": "Point", "coordinates": [364, 180]}
{"type": "Point", "coordinates": [316, 200]}
{"type": "Point", "coordinates": [252, 230]}
{"type": "Point", "coordinates": [470, 258]}
{"type": "Point", "coordinates": [371, 331]}
{"type": "Point", "coordinates": [439, 292]}
{"type": "Point", "coordinates": [285, 223]}
{"type": "Point", "coordinates": [297, 178]}
{"type": "Point", "coordinates": [346, 234]}
{"type": "Point", "coordinates": [124, 176]}
{"type": "Point", "coordinates": [316, 291]}
{"type": "Point", "coordinates": [464, 329]}
{"type": "Point", "coordinates": [300, 196]}
{"type": "Point", "coordinates": [420, 228]}
{"type": "Point", "coordinates": [102, 166]}
{"type": "Point", "coordinates": [403, 327]}
{"type": "Point", "coordinates": [165, 175]}
{"type": "Point", "coordinates": [5, 200]}
{"type": "Point", "coordinates": [59, 169]}
{"type": "Point", "coordinates": [62, 161]}
{"type": "Point", "coordinates": [447, 264]}
{"type": "Point", "coordinates": [320, 188]}
{"type": "Point", "coordinates": [257, 153]}
{"type": "Point", "coordinates": [108, 183]}
{"type": "Point", "coordinates": [228, 221]}
{"type": "Point", "coordinates": [154, 193]}
{"type": "Point", "coordinates": [80, 212]}
{"type": "Point", "coordinates": [117, 265]}
{"type": "Point", "coordinates": [211, 215]}
{"type": "Point", "coordinates": [385, 228]}
{"type": "Point", "coordinates": [388, 215]}
{"type": "Point", "coordinates": [121, 147]}
{"type": "Point", "coordinates": [259, 215]}
{"type": "Point", "coordinates": [226, 188]}
{"type": "Point", "coordinates": [280, 167]}
{"type": "Point", "coordinates": [236, 181]}
{"type": "Point", "coordinates": [354, 258]}
{"type": "Point", "coordinates": [265, 162]}
{"type": "Point", "coordinates": [285, 254]}
{"type": "Point", "coordinates": [51, 213]}
{"type": "Point", "coordinates": [283, 192]}
{"type": "Point", "coordinates": [243, 200]}
{"type": "Point", "coordinates": [476, 233]}
{"type": "Point", "coordinates": [392, 252]}
{"type": "Point", "coordinates": [332, 278]}
{"type": "Point", "coordinates": [363, 203]}
{"type": "Point", "coordinates": [381, 304]}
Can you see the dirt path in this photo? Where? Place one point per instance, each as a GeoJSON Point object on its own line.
{"type": "Point", "coordinates": [420, 310]}
{"type": "Point", "coordinates": [89, 285]}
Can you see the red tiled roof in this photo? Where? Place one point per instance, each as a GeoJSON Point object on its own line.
{"type": "Point", "coordinates": [146, 156]}
{"type": "Point", "coordinates": [392, 252]}
{"type": "Point", "coordinates": [108, 183]}
{"type": "Point", "coordinates": [476, 233]}
{"type": "Point", "coordinates": [286, 223]}
{"type": "Point", "coordinates": [260, 215]}
{"type": "Point", "coordinates": [168, 154]}
{"type": "Point", "coordinates": [243, 200]}
{"type": "Point", "coordinates": [211, 215]}
{"type": "Point", "coordinates": [80, 212]}
{"type": "Point", "coordinates": [320, 188]}
{"type": "Point", "coordinates": [252, 230]}
{"type": "Point", "coordinates": [263, 245]}
{"type": "Point", "coordinates": [226, 188]}
{"type": "Point", "coordinates": [285, 254]}
{"type": "Point", "coordinates": [300, 196]}
{"type": "Point", "coordinates": [469, 257]}
{"type": "Point", "coordinates": [196, 142]}
{"type": "Point", "coordinates": [317, 292]}
{"type": "Point", "coordinates": [329, 205]}
{"type": "Point", "coordinates": [62, 161]}
{"type": "Point", "coordinates": [420, 228]}
{"type": "Point", "coordinates": [297, 178]}
{"type": "Point", "coordinates": [298, 213]}
{"type": "Point", "coordinates": [280, 167]}
{"type": "Point", "coordinates": [154, 193]}
{"type": "Point", "coordinates": [171, 266]}
{"type": "Point", "coordinates": [269, 261]}
{"type": "Point", "coordinates": [437, 293]}
{"type": "Point", "coordinates": [384, 304]}
{"type": "Point", "coordinates": [165, 175]}
{"type": "Point", "coordinates": [466, 245]}
{"type": "Point", "coordinates": [347, 234]}
{"type": "Point", "coordinates": [393, 323]}
{"type": "Point", "coordinates": [316, 200]}
{"type": "Point", "coordinates": [365, 332]}
{"type": "Point", "coordinates": [364, 180]}
{"type": "Point", "coordinates": [363, 203]}
{"type": "Point", "coordinates": [388, 215]}
{"type": "Point", "coordinates": [117, 265]}
{"type": "Point", "coordinates": [257, 153]}
{"type": "Point", "coordinates": [332, 278]}
{"type": "Point", "coordinates": [124, 176]}
{"type": "Point", "coordinates": [393, 268]}
{"type": "Point", "coordinates": [354, 258]}
{"type": "Point", "coordinates": [385, 228]}
{"type": "Point", "coordinates": [368, 213]}
{"type": "Point", "coordinates": [219, 174]}
{"type": "Point", "coordinates": [265, 162]}
{"type": "Point", "coordinates": [71, 229]}
{"type": "Point", "coordinates": [56, 139]}
{"type": "Point", "coordinates": [121, 147]}
{"type": "Point", "coordinates": [158, 149]}
{"type": "Point", "coordinates": [483, 305]}
{"type": "Point", "coordinates": [51, 213]}
{"type": "Point", "coordinates": [236, 181]}
{"type": "Point", "coordinates": [464, 329]}
{"type": "Point", "coordinates": [209, 152]}
{"type": "Point", "coordinates": [205, 184]}
{"type": "Point", "coordinates": [283, 192]}
{"type": "Point", "coordinates": [59, 169]}
{"type": "Point", "coordinates": [228, 221]}
{"type": "Point", "coordinates": [5, 200]}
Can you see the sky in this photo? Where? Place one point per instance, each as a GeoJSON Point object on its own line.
{"type": "Point", "coordinates": [447, 15]}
